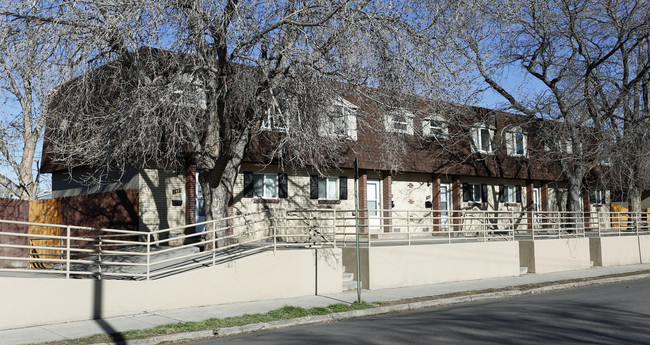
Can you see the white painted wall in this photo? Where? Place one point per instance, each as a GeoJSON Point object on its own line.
{"type": "Point", "coordinates": [399, 266]}
{"type": "Point", "coordinates": [552, 255]}
{"type": "Point", "coordinates": [286, 273]}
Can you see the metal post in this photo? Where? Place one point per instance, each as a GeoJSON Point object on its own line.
{"type": "Point", "coordinates": [408, 226]}
{"type": "Point", "coordinates": [100, 257]}
{"type": "Point", "coordinates": [334, 227]}
{"type": "Point", "coordinates": [356, 225]}
{"type": "Point", "coordinates": [67, 258]}
{"type": "Point", "coordinates": [148, 256]}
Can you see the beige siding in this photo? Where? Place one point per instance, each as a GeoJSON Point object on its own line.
{"type": "Point", "coordinates": [157, 190]}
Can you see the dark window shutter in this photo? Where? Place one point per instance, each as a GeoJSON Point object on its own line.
{"type": "Point", "coordinates": [484, 193]}
{"type": "Point", "coordinates": [248, 184]}
{"type": "Point", "coordinates": [343, 187]}
{"type": "Point", "coordinates": [467, 192]}
{"type": "Point", "coordinates": [282, 186]}
{"type": "Point", "coordinates": [518, 194]}
{"type": "Point", "coordinates": [502, 193]}
{"type": "Point", "coordinates": [313, 187]}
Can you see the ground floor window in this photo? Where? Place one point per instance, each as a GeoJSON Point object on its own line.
{"type": "Point", "coordinates": [474, 193]}
{"type": "Point", "coordinates": [328, 188]}
{"type": "Point", "coordinates": [597, 197]}
{"type": "Point", "coordinates": [265, 185]}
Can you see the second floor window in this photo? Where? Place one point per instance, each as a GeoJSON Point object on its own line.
{"type": "Point", "coordinates": [434, 126]}
{"type": "Point", "coordinates": [399, 121]}
{"type": "Point", "coordinates": [516, 143]}
{"type": "Point", "coordinates": [482, 137]}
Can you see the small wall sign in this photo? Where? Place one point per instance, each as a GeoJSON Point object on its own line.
{"type": "Point", "coordinates": [176, 191]}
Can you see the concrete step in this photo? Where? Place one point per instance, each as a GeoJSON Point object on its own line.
{"type": "Point", "coordinates": [348, 277]}
{"type": "Point", "coordinates": [351, 285]}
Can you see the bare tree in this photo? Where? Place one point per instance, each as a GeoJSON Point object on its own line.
{"type": "Point", "coordinates": [32, 61]}
{"type": "Point", "coordinates": [218, 73]}
{"type": "Point", "coordinates": [572, 51]}
{"type": "Point", "coordinates": [627, 164]}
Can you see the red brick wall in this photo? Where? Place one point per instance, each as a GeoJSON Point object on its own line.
{"type": "Point", "coordinates": [363, 202]}
{"type": "Point", "coordinates": [435, 201]}
{"type": "Point", "coordinates": [387, 199]}
{"type": "Point", "coordinates": [456, 199]}
{"type": "Point", "coordinates": [17, 210]}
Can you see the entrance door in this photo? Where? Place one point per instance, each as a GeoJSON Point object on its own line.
{"type": "Point", "coordinates": [372, 191]}
{"type": "Point", "coordinates": [444, 205]}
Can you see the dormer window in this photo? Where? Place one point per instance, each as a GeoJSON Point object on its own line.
{"type": "Point", "coordinates": [516, 143]}
{"type": "Point", "coordinates": [340, 120]}
{"type": "Point", "coordinates": [435, 126]}
{"type": "Point", "coordinates": [482, 136]}
{"type": "Point", "coordinates": [399, 121]}
{"type": "Point", "coordinates": [273, 119]}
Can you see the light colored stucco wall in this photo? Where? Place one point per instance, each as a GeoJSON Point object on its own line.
{"type": "Point", "coordinates": [400, 266]}
{"type": "Point", "coordinates": [644, 248]}
{"type": "Point", "coordinates": [268, 275]}
{"type": "Point", "coordinates": [616, 250]}
{"type": "Point", "coordinates": [158, 189]}
{"type": "Point", "coordinates": [552, 255]}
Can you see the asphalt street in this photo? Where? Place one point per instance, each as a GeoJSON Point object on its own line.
{"type": "Point", "coordinates": [616, 313]}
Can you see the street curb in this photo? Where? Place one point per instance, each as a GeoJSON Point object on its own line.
{"type": "Point", "coordinates": [315, 319]}
{"type": "Point", "coordinates": [165, 338]}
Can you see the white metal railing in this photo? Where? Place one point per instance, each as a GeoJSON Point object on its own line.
{"type": "Point", "coordinates": [74, 251]}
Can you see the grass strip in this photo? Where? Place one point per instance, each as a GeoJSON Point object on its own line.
{"type": "Point", "coordinates": [284, 313]}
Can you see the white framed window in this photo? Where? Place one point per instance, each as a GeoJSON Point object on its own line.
{"type": "Point", "coordinates": [597, 196]}
{"type": "Point", "coordinates": [265, 186]}
{"type": "Point", "coordinates": [561, 146]}
{"type": "Point", "coordinates": [274, 119]}
{"type": "Point", "coordinates": [328, 188]}
{"type": "Point", "coordinates": [435, 126]}
{"type": "Point", "coordinates": [472, 192]}
{"type": "Point", "coordinates": [399, 121]}
{"type": "Point", "coordinates": [482, 137]}
{"type": "Point", "coordinates": [510, 194]}
{"type": "Point", "coordinates": [517, 143]}
{"type": "Point", "coordinates": [340, 120]}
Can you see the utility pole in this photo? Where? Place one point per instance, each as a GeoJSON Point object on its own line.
{"type": "Point", "coordinates": [356, 225]}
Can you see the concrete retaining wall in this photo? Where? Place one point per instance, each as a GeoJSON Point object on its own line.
{"type": "Point", "coordinates": [287, 273]}
{"type": "Point", "coordinates": [620, 250]}
{"type": "Point", "coordinates": [399, 266]}
{"type": "Point", "coordinates": [552, 255]}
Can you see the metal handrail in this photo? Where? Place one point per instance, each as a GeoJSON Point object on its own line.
{"type": "Point", "coordinates": [147, 256]}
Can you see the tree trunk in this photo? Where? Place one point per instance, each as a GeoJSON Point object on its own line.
{"type": "Point", "coordinates": [573, 196]}
{"type": "Point", "coordinates": [634, 199]}
{"type": "Point", "coordinates": [216, 199]}
{"type": "Point", "coordinates": [218, 184]}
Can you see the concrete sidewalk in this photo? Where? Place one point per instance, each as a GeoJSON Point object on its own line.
{"type": "Point", "coordinates": [72, 330]}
